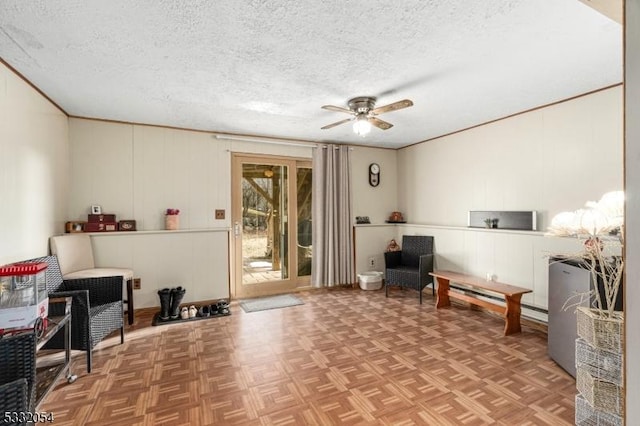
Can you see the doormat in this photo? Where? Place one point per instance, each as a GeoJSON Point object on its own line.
{"type": "Point", "coordinates": [158, 321]}
{"type": "Point", "coordinates": [273, 302]}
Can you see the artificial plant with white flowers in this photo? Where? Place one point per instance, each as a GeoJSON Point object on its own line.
{"type": "Point", "coordinates": [600, 224]}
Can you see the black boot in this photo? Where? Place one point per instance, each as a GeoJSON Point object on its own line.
{"type": "Point", "coordinates": [165, 303]}
{"type": "Point", "coordinates": [176, 297]}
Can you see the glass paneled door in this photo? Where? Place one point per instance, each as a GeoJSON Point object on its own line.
{"type": "Point", "coordinates": [271, 221]}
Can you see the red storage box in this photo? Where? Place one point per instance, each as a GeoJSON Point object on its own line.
{"type": "Point", "coordinates": [100, 226]}
{"type": "Point", "coordinates": [97, 218]}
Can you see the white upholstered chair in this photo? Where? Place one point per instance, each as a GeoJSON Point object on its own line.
{"type": "Point", "coordinates": [75, 257]}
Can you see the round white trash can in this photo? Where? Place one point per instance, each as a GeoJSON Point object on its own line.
{"type": "Point", "coordinates": [370, 280]}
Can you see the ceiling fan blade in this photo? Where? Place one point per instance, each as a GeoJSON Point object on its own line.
{"type": "Point", "coordinates": [337, 109]}
{"type": "Point", "coordinates": [380, 124]}
{"type": "Point", "coordinates": [337, 123]}
{"type": "Point", "coordinates": [392, 107]}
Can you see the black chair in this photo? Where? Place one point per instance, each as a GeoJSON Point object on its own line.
{"type": "Point", "coordinates": [18, 371]}
{"type": "Point", "coordinates": [410, 266]}
{"type": "Point", "coordinates": [15, 400]}
{"type": "Point", "coordinates": [97, 308]}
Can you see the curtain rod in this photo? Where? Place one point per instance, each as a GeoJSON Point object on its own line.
{"type": "Point", "coordinates": [263, 140]}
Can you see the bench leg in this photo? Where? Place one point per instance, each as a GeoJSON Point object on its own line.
{"type": "Point", "coordinates": [130, 308]}
{"type": "Point", "coordinates": [512, 315]}
{"type": "Point", "coordinates": [442, 300]}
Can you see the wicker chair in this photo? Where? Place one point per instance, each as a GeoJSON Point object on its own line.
{"type": "Point", "coordinates": [14, 397]}
{"type": "Point", "coordinates": [18, 372]}
{"type": "Point", "coordinates": [96, 310]}
{"type": "Point", "coordinates": [410, 266]}
{"type": "Point", "coordinates": [75, 258]}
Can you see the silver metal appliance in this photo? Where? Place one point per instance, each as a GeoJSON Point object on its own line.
{"type": "Point", "coordinates": [566, 279]}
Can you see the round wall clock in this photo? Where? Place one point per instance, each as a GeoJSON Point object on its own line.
{"type": "Point", "coordinates": [374, 174]}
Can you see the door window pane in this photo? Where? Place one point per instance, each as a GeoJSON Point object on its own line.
{"type": "Point", "coordinates": [264, 223]}
{"type": "Point", "coordinates": [304, 220]}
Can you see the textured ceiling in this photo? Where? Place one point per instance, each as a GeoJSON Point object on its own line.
{"type": "Point", "coordinates": [266, 67]}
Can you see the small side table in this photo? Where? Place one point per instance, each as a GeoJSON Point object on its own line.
{"type": "Point", "coordinates": [47, 376]}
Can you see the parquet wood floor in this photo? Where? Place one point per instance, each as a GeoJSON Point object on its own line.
{"type": "Point", "coordinates": [345, 357]}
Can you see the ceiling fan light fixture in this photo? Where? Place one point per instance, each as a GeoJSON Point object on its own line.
{"type": "Point", "coordinates": [361, 125]}
{"type": "Point", "coordinates": [364, 114]}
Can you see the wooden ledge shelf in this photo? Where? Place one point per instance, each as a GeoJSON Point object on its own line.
{"type": "Point", "coordinates": [158, 231]}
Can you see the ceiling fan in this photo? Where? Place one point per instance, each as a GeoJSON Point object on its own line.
{"type": "Point", "coordinates": [364, 114]}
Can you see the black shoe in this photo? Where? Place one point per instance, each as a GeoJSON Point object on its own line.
{"type": "Point", "coordinates": [222, 304]}
{"type": "Point", "coordinates": [176, 297]}
{"type": "Point", "coordinates": [165, 303]}
{"type": "Point", "coordinates": [204, 311]}
{"type": "Point", "coordinates": [213, 309]}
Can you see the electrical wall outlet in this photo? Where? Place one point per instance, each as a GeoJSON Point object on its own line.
{"type": "Point", "coordinates": [372, 262]}
{"type": "Point", "coordinates": [137, 283]}
{"type": "Point", "coordinates": [219, 213]}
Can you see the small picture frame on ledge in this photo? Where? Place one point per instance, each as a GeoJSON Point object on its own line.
{"type": "Point", "coordinates": [96, 209]}
{"type": "Point", "coordinates": [127, 225]}
{"type": "Point", "coordinates": [74, 226]}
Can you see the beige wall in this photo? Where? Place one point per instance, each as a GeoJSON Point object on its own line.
{"type": "Point", "coordinates": [137, 172]}
{"type": "Point", "coordinates": [34, 176]}
{"type": "Point", "coordinates": [376, 202]}
{"type": "Point", "coordinates": [550, 160]}
{"type": "Point", "coordinates": [632, 188]}
{"type": "Point", "coordinates": [525, 162]}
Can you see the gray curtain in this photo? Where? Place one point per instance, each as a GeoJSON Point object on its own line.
{"type": "Point", "coordinates": [332, 261]}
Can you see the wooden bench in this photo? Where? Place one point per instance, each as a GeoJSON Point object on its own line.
{"type": "Point", "coordinates": [511, 293]}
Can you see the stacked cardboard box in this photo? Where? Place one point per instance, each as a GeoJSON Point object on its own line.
{"type": "Point", "coordinates": [101, 223]}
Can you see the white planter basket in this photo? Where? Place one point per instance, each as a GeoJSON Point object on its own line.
{"type": "Point", "coordinates": [586, 415]}
{"type": "Point", "coordinates": [599, 331]}
{"type": "Point", "coordinates": [601, 395]}
{"type": "Point", "coordinates": [602, 365]}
